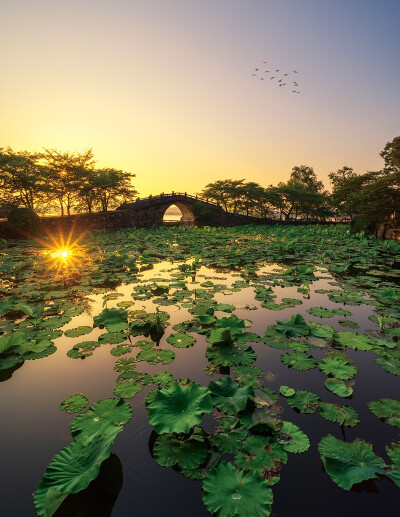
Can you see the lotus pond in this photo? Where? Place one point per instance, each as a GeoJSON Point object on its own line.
{"type": "Point", "coordinates": [248, 371]}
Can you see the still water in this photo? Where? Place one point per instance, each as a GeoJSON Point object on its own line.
{"type": "Point", "coordinates": [33, 429]}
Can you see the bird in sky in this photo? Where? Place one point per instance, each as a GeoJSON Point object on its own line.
{"type": "Point", "coordinates": [257, 69]}
{"type": "Point", "coordinates": [277, 70]}
{"type": "Point", "coordinates": [273, 77]}
{"type": "Point", "coordinates": [253, 74]}
{"type": "Point", "coordinates": [262, 78]}
{"type": "Point", "coordinates": [295, 71]}
{"type": "Point", "coordinates": [284, 75]}
{"type": "Point", "coordinates": [265, 62]}
{"type": "Point", "coordinates": [266, 71]}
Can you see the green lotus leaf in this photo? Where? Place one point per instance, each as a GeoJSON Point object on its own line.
{"type": "Point", "coordinates": [83, 349]}
{"type": "Point", "coordinates": [162, 378]}
{"type": "Point", "coordinates": [321, 312]}
{"type": "Point", "coordinates": [114, 411]}
{"type": "Point", "coordinates": [343, 415]}
{"type": "Point", "coordinates": [186, 452]}
{"type": "Point", "coordinates": [205, 319]}
{"type": "Point", "coordinates": [393, 451]}
{"type": "Point", "coordinates": [248, 375]}
{"type": "Point", "coordinates": [354, 340]}
{"type": "Point", "coordinates": [230, 355]}
{"type": "Point", "coordinates": [248, 337]}
{"type": "Point", "coordinates": [299, 360]}
{"type": "Point", "coordinates": [229, 441]}
{"type": "Point", "coordinates": [78, 331]}
{"type": "Point", "coordinates": [54, 323]}
{"type": "Point", "coordinates": [304, 401]}
{"type": "Point", "coordinates": [220, 336]}
{"type": "Point", "coordinates": [388, 363]}
{"type": "Point", "coordinates": [224, 307]}
{"type": "Point", "coordinates": [10, 362]}
{"type": "Point", "coordinates": [337, 367]}
{"type": "Point", "coordinates": [141, 378]}
{"type": "Point", "coordinates": [292, 438]}
{"type": "Point", "coordinates": [294, 327]}
{"type": "Point", "coordinates": [73, 468]}
{"type": "Point", "coordinates": [155, 355]}
{"type": "Point", "coordinates": [338, 387]}
{"type": "Point", "coordinates": [74, 403]}
{"type": "Point", "coordinates": [286, 391]}
{"type": "Point", "coordinates": [233, 323]}
{"type": "Point", "coordinates": [228, 396]}
{"type": "Point", "coordinates": [113, 320]}
{"type": "Point", "coordinates": [178, 408]}
{"type": "Point", "coordinates": [120, 350]}
{"type": "Point", "coordinates": [349, 463]}
{"type": "Point", "coordinates": [229, 492]}
{"type": "Point", "coordinates": [11, 340]}
{"type": "Point", "coordinates": [325, 332]}
{"type": "Point", "coordinates": [262, 454]}
{"type": "Point", "coordinates": [275, 339]}
{"type": "Point", "coordinates": [388, 410]}
{"type": "Point", "coordinates": [127, 389]}
{"type": "Point", "coordinates": [349, 324]}
{"type": "Point", "coordinates": [125, 364]}
{"type": "Point", "coordinates": [181, 340]}
{"type": "Point", "coordinates": [112, 338]}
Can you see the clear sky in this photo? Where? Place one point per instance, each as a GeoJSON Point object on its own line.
{"type": "Point", "coordinates": [163, 88]}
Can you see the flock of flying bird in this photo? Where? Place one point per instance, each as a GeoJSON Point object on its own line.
{"type": "Point", "coordinates": [282, 80]}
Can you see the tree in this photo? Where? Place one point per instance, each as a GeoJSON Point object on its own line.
{"type": "Point", "coordinates": [391, 154]}
{"type": "Point", "coordinates": [112, 186]}
{"type": "Point", "coordinates": [23, 181]}
{"type": "Point", "coordinates": [304, 175]}
{"type": "Point", "coordinates": [66, 173]}
{"type": "Point", "coordinates": [226, 193]}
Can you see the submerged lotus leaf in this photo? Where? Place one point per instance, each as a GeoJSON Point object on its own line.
{"type": "Point", "coordinates": [343, 415]}
{"type": "Point", "coordinates": [337, 367]}
{"type": "Point", "coordinates": [388, 410]}
{"type": "Point", "coordinates": [230, 355]}
{"type": "Point", "coordinates": [228, 492]}
{"type": "Point", "coordinates": [155, 355]}
{"type": "Point", "coordinates": [178, 408]}
{"type": "Point", "coordinates": [292, 438]}
{"type": "Point", "coordinates": [74, 467]}
{"type": "Point", "coordinates": [74, 403]}
{"type": "Point", "coordinates": [114, 411]}
{"type": "Point", "coordinates": [181, 340]}
{"type": "Point", "coordinates": [304, 401]}
{"type": "Point", "coordinates": [349, 463]}
{"type": "Point", "coordinates": [228, 396]}
{"type": "Point", "coordinates": [113, 320]}
{"type": "Point", "coordinates": [78, 331]}
{"type": "Point", "coordinates": [186, 452]}
{"type": "Point", "coordinates": [338, 387]}
{"type": "Point", "coordinates": [294, 327]}
{"type": "Point", "coordinates": [354, 340]}
{"type": "Point", "coordinates": [262, 454]}
{"type": "Point", "coordinates": [299, 360]}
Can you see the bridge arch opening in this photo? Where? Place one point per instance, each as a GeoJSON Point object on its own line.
{"type": "Point", "coordinates": [178, 214]}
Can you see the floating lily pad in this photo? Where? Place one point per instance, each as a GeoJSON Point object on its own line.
{"type": "Point", "coordinates": [163, 378]}
{"type": "Point", "coordinates": [261, 454]}
{"type": "Point", "coordinates": [299, 360]}
{"type": "Point", "coordinates": [155, 355]}
{"type": "Point", "coordinates": [304, 401]}
{"type": "Point", "coordinates": [78, 331]}
{"type": "Point", "coordinates": [228, 492]}
{"type": "Point", "coordinates": [292, 438]}
{"type": "Point", "coordinates": [74, 403]}
{"type": "Point", "coordinates": [343, 415]}
{"type": "Point", "coordinates": [349, 463]}
{"type": "Point", "coordinates": [113, 320]}
{"type": "Point", "coordinates": [354, 340]}
{"type": "Point", "coordinates": [181, 340]}
{"type": "Point", "coordinates": [178, 408]}
{"type": "Point", "coordinates": [230, 355]}
{"type": "Point", "coordinates": [228, 396]}
{"type": "Point", "coordinates": [338, 387]}
{"type": "Point", "coordinates": [186, 452]}
{"type": "Point", "coordinates": [286, 391]}
{"type": "Point", "coordinates": [337, 367]}
{"type": "Point", "coordinates": [388, 410]}
{"type": "Point", "coordinates": [127, 389]}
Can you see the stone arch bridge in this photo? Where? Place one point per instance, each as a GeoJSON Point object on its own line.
{"type": "Point", "coordinates": [195, 211]}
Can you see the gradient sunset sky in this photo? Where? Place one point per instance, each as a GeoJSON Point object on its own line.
{"type": "Point", "coordinates": [163, 88]}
